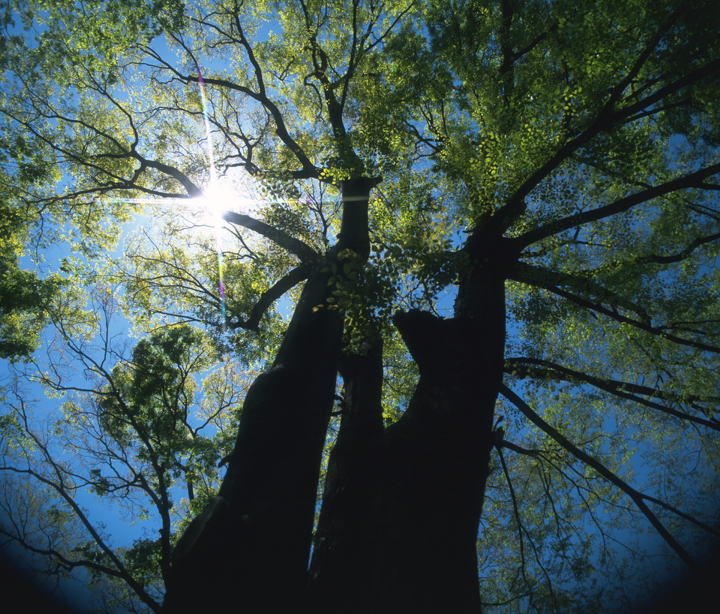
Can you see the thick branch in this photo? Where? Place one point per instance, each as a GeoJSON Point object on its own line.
{"type": "Point", "coordinates": [680, 255]}
{"type": "Point", "coordinates": [504, 443]}
{"type": "Point", "coordinates": [543, 278]}
{"type": "Point", "coordinates": [321, 63]}
{"type": "Point", "coordinates": [544, 368]}
{"type": "Point", "coordinates": [606, 119]}
{"type": "Point", "coordinates": [692, 180]}
{"type": "Point", "coordinates": [192, 189]}
{"type": "Point", "coordinates": [655, 330]}
{"type": "Point", "coordinates": [708, 70]}
{"type": "Point", "coordinates": [280, 237]}
{"type": "Point", "coordinates": [354, 233]}
{"type": "Point", "coordinates": [268, 297]}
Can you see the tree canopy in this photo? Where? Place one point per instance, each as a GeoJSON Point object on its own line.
{"type": "Point", "coordinates": [496, 221]}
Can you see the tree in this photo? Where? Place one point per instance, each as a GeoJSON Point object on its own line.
{"type": "Point", "coordinates": [135, 433]}
{"type": "Point", "coordinates": [481, 200]}
{"type": "Point", "coordinates": [23, 297]}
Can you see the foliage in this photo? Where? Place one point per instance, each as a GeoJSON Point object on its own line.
{"type": "Point", "coordinates": [583, 133]}
{"type": "Point", "coordinates": [137, 437]}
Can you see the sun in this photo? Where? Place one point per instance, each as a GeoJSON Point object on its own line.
{"type": "Point", "coordinates": [218, 198]}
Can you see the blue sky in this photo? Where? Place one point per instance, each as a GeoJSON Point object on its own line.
{"type": "Point", "coordinates": [124, 532]}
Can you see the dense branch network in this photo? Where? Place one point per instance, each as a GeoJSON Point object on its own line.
{"type": "Point", "coordinates": [538, 368]}
{"type": "Point", "coordinates": [125, 157]}
{"type": "Point", "coordinates": [637, 497]}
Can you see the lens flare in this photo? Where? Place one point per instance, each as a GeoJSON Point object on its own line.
{"type": "Point", "coordinates": [219, 196]}
{"type": "Point", "coordinates": [215, 197]}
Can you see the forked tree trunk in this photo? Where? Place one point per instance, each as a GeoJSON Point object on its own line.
{"type": "Point", "coordinates": [251, 545]}
{"type": "Point", "coordinates": [402, 506]}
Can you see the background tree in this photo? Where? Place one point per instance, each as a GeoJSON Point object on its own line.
{"type": "Point", "coordinates": [522, 195]}
{"type": "Point", "coordinates": [145, 435]}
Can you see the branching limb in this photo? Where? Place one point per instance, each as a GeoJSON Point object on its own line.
{"type": "Point", "coordinates": [60, 486]}
{"type": "Point", "coordinates": [268, 297]}
{"type": "Point", "coordinates": [167, 169]}
{"type": "Point", "coordinates": [691, 180]}
{"type": "Point", "coordinates": [654, 330]}
{"type": "Point", "coordinates": [711, 69]}
{"type": "Point", "coordinates": [516, 513]}
{"type": "Point", "coordinates": [509, 55]}
{"type": "Point", "coordinates": [534, 367]}
{"type": "Point", "coordinates": [607, 118]}
{"type": "Point", "coordinates": [321, 65]}
{"type": "Point", "coordinates": [519, 449]}
{"type": "Point", "coordinates": [684, 253]}
{"type": "Point", "coordinates": [617, 91]}
{"type": "Point", "coordinates": [543, 278]}
{"type": "Point", "coordinates": [637, 497]}
{"type": "Point", "coordinates": [280, 237]}
{"type": "Point", "coordinates": [118, 151]}
{"type": "Point", "coordinates": [160, 496]}
{"type": "Point", "coordinates": [308, 168]}
{"type": "Point", "coordinates": [62, 560]}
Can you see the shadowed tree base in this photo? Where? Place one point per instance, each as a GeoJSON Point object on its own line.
{"type": "Point", "coordinates": [401, 507]}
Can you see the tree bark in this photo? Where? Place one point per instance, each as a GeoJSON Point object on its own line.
{"type": "Point", "coordinates": [346, 539]}
{"type": "Point", "coordinates": [252, 543]}
{"type": "Point", "coordinates": [402, 506]}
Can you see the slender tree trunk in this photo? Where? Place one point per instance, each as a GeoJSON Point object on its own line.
{"type": "Point", "coordinates": [346, 540]}
{"type": "Point", "coordinates": [251, 545]}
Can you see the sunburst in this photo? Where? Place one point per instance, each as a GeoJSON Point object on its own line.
{"type": "Point", "coordinates": [220, 195]}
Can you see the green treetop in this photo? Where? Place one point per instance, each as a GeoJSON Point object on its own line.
{"type": "Point", "coordinates": [496, 221]}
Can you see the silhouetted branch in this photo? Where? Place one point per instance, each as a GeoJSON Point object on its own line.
{"type": "Point", "coordinates": [684, 253]}
{"type": "Point", "coordinates": [519, 367]}
{"type": "Point", "coordinates": [637, 497]}
{"type": "Point", "coordinates": [280, 237]}
{"type": "Point", "coordinates": [308, 168]}
{"type": "Point", "coordinates": [516, 513]}
{"type": "Point", "coordinates": [544, 278]}
{"type": "Point", "coordinates": [606, 118]}
{"type": "Point", "coordinates": [654, 330]}
{"type": "Point", "coordinates": [268, 297]}
{"type": "Point", "coordinates": [691, 180]}
{"type": "Point", "coordinates": [61, 488]}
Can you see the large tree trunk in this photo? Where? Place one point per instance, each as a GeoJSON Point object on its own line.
{"type": "Point", "coordinates": [251, 545]}
{"type": "Point", "coordinates": [401, 507]}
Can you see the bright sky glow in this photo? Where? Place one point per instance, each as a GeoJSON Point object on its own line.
{"type": "Point", "coordinates": [220, 197]}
